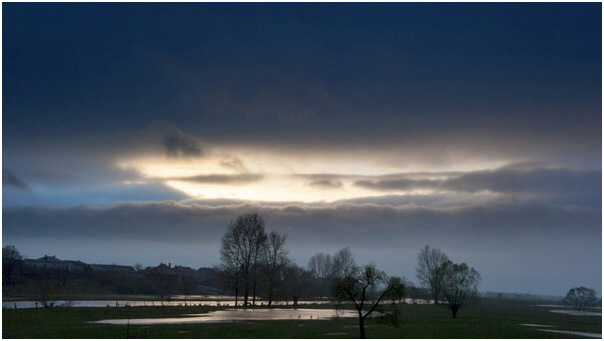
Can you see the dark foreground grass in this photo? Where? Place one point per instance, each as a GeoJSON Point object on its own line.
{"type": "Point", "coordinates": [486, 319]}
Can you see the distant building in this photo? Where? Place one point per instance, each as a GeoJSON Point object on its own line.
{"type": "Point", "coordinates": [183, 272]}
{"type": "Point", "coordinates": [76, 265]}
{"type": "Point", "coordinates": [125, 269]}
{"type": "Point", "coordinates": [162, 271]}
{"type": "Point", "coordinates": [49, 262]}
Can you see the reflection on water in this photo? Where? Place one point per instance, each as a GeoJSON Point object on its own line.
{"type": "Point", "coordinates": [242, 314]}
{"type": "Point", "coordinates": [207, 301]}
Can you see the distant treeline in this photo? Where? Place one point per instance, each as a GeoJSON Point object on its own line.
{"type": "Point", "coordinates": [47, 278]}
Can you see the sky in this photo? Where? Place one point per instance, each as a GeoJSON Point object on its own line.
{"type": "Point", "coordinates": [135, 132]}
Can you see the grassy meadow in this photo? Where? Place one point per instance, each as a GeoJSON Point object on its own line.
{"type": "Point", "coordinates": [484, 319]}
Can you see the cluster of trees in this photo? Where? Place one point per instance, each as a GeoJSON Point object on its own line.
{"type": "Point", "coordinates": [455, 283]}
{"type": "Point", "coordinates": [256, 264]}
{"type": "Point", "coordinates": [251, 256]}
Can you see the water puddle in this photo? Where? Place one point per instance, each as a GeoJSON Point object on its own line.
{"type": "Point", "coordinates": [597, 336]}
{"type": "Point", "coordinates": [229, 315]}
{"type": "Point", "coordinates": [578, 313]}
{"type": "Point", "coordinates": [536, 325]}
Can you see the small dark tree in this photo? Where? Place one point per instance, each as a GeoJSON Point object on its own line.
{"type": "Point", "coordinates": [359, 287]}
{"type": "Point", "coordinates": [429, 266]}
{"type": "Point", "coordinates": [580, 298]}
{"type": "Point", "coordinates": [12, 260]}
{"type": "Point", "coordinates": [294, 280]}
{"type": "Point", "coordinates": [459, 284]}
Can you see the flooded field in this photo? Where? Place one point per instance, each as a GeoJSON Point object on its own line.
{"type": "Point", "coordinates": [241, 315]}
{"type": "Point", "coordinates": [132, 303]}
{"type": "Point", "coordinates": [198, 300]}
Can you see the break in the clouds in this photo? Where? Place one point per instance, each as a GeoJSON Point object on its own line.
{"type": "Point", "coordinates": [475, 128]}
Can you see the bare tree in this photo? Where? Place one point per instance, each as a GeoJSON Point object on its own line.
{"type": "Point", "coordinates": [320, 265]}
{"type": "Point", "coordinates": [429, 266]}
{"type": "Point", "coordinates": [343, 263]}
{"type": "Point", "coordinates": [240, 252]}
{"type": "Point", "coordinates": [295, 278]}
{"type": "Point", "coordinates": [360, 286]}
{"type": "Point", "coordinates": [231, 257]}
{"type": "Point", "coordinates": [459, 284]}
{"type": "Point", "coordinates": [275, 258]}
{"type": "Point", "coordinates": [580, 298]}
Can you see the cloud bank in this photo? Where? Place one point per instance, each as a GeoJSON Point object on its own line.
{"type": "Point", "coordinates": [394, 233]}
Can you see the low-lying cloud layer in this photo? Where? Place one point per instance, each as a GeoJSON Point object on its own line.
{"type": "Point", "coordinates": [468, 231]}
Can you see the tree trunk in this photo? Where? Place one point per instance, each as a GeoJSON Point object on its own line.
{"type": "Point", "coordinates": [454, 309]}
{"type": "Point", "coordinates": [362, 327]}
{"type": "Point", "coordinates": [254, 288]}
{"type": "Point", "coordinates": [236, 289]}
{"type": "Point", "coordinates": [295, 302]}
{"type": "Point", "coordinates": [270, 295]}
{"type": "Point", "coordinates": [271, 284]}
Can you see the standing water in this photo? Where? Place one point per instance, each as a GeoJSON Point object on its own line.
{"type": "Point", "coordinates": [228, 315]}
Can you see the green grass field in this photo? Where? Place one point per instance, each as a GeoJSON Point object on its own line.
{"type": "Point", "coordinates": [485, 319]}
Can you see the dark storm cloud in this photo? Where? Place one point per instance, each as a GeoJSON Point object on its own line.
{"type": "Point", "coordinates": [312, 74]}
{"type": "Point", "coordinates": [175, 142]}
{"type": "Point", "coordinates": [221, 178]}
{"type": "Point", "coordinates": [9, 179]}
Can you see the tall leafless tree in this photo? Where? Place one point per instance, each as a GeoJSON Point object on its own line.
{"type": "Point", "coordinates": [240, 252]}
{"type": "Point", "coordinates": [320, 265]}
{"type": "Point", "coordinates": [343, 263]}
{"type": "Point", "coordinates": [294, 281]}
{"type": "Point", "coordinates": [275, 258]}
{"type": "Point", "coordinates": [429, 266]}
